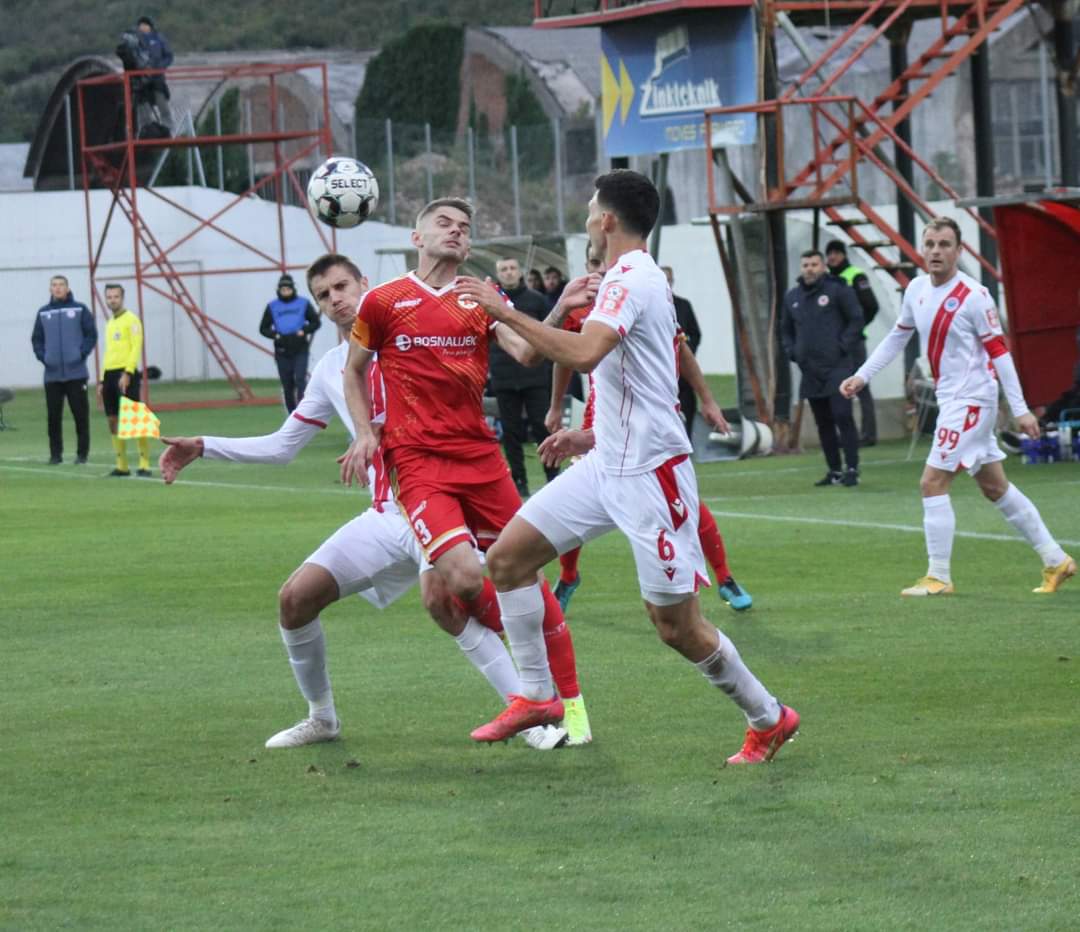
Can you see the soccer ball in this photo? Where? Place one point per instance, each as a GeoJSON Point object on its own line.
{"type": "Point", "coordinates": [343, 192]}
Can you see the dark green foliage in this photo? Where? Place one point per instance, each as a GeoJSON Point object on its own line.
{"type": "Point", "coordinates": [416, 78]}
{"type": "Point", "coordinates": [522, 107]}
{"type": "Point", "coordinates": [523, 110]}
{"type": "Point", "coordinates": [59, 31]}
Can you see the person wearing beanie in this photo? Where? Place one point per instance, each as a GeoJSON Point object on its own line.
{"type": "Point", "coordinates": [290, 321]}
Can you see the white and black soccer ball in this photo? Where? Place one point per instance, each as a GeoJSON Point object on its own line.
{"type": "Point", "coordinates": [343, 192]}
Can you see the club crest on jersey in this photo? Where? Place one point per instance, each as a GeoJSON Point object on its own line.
{"type": "Point", "coordinates": [466, 303]}
{"type": "Point", "coordinates": [611, 301]}
{"type": "Point", "coordinates": [951, 304]}
{"type": "Point", "coordinates": [403, 342]}
{"type": "Point", "coordinates": [823, 300]}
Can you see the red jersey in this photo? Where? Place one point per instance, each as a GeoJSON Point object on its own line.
{"type": "Point", "coordinates": [574, 321]}
{"type": "Point", "coordinates": [433, 352]}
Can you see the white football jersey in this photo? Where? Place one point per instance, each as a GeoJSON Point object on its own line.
{"type": "Point", "coordinates": [324, 396]}
{"type": "Point", "coordinates": [957, 323]}
{"type": "Point", "coordinates": [637, 422]}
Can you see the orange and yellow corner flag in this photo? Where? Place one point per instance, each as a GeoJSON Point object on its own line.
{"type": "Point", "coordinates": [136, 420]}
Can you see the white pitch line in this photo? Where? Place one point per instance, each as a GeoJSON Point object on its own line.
{"type": "Point", "coordinates": [870, 525]}
{"type": "Point", "coordinates": [51, 472]}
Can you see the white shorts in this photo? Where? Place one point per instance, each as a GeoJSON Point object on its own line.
{"type": "Point", "coordinates": [376, 555]}
{"type": "Point", "coordinates": [657, 511]}
{"type": "Point", "coordinates": [964, 438]}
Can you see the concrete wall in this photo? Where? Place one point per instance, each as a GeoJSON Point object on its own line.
{"type": "Point", "coordinates": [47, 236]}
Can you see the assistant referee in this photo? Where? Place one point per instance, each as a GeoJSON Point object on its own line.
{"type": "Point", "coordinates": [120, 376]}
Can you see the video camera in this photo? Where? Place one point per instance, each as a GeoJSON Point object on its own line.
{"type": "Point", "coordinates": [131, 52]}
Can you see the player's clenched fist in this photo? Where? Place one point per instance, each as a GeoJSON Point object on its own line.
{"type": "Point", "coordinates": [852, 385]}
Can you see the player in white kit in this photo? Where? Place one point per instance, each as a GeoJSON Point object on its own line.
{"type": "Point", "coordinates": [375, 555]}
{"type": "Point", "coordinates": [638, 478]}
{"type": "Point", "coordinates": [961, 336]}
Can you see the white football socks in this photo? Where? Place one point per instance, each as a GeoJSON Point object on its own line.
{"type": "Point", "coordinates": [939, 524]}
{"type": "Point", "coordinates": [523, 619]}
{"type": "Point", "coordinates": [306, 647]}
{"type": "Point", "coordinates": [1018, 510]}
{"type": "Point", "coordinates": [486, 651]}
{"type": "Point", "coordinates": [726, 670]}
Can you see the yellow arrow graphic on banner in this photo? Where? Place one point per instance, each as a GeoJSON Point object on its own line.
{"type": "Point", "coordinates": [616, 93]}
{"type": "Point", "coordinates": [626, 88]}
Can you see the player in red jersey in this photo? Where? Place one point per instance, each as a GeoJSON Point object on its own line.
{"type": "Point", "coordinates": [449, 476]}
{"type": "Point", "coordinates": [375, 555]}
{"type": "Point", "coordinates": [961, 335]}
{"type": "Point", "coordinates": [562, 444]}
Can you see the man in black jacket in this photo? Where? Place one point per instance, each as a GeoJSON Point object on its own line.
{"type": "Point", "coordinates": [837, 261]}
{"type": "Point", "coordinates": [821, 325]}
{"type": "Point", "coordinates": [64, 336]}
{"type": "Point", "coordinates": [519, 387]}
{"type": "Point", "coordinates": [684, 313]}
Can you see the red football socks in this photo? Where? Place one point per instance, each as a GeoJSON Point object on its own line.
{"type": "Point", "coordinates": [568, 565]}
{"type": "Point", "coordinates": [712, 544]}
{"type": "Point", "coordinates": [485, 607]}
{"type": "Point", "coordinates": [560, 646]}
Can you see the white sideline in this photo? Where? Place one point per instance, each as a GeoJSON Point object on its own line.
{"type": "Point", "coordinates": [60, 472]}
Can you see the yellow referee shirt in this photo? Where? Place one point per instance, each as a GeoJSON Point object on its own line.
{"type": "Point", "coordinates": [123, 342]}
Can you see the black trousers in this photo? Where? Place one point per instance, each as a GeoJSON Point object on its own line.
{"type": "Point", "coordinates": [534, 402]}
{"type": "Point", "coordinates": [866, 401]}
{"type": "Point", "coordinates": [292, 370]}
{"type": "Point", "coordinates": [688, 405]}
{"type": "Point", "coordinates": [836, 429]}
{"type": "Point", "coordinates": [75, 393]}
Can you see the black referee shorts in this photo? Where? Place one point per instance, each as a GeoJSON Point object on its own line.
{"type": "Point", "coordinates": [110, 391]}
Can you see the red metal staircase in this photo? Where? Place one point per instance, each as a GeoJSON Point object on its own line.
{"type": "Point", "coordinates": [169, 283]}
{"type": "Point", "coordinates": [849, 132]}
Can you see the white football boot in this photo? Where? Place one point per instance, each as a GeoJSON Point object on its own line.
{"type": "Point", "coordinates": [545, 737]}
{"type": "Point", "coordinates": [309, 731]}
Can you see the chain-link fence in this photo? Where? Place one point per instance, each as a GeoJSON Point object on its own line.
{"type": "Point", "coordinates": [524, 180]}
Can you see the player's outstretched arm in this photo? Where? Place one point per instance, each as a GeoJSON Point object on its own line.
{"type": "Point", "coordinates": [179, 452]}
{"type": "Point", "coordinates": [361, 452]}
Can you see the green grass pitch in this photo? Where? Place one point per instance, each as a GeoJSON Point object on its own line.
{"type": "Point", "coordinates": [933, 785]}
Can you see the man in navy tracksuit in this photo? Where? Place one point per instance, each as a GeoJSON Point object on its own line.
{"type": "Point", "coordinates": [64, 335]}
{"type": "Point", "coordinates": [290, 321]}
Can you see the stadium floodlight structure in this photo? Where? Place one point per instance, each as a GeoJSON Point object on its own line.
{"type": "Point", "coordinates": [126, 162]}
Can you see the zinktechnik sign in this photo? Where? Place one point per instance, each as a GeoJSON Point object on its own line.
{"type": "Point", "coordinates": [660, 73]}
